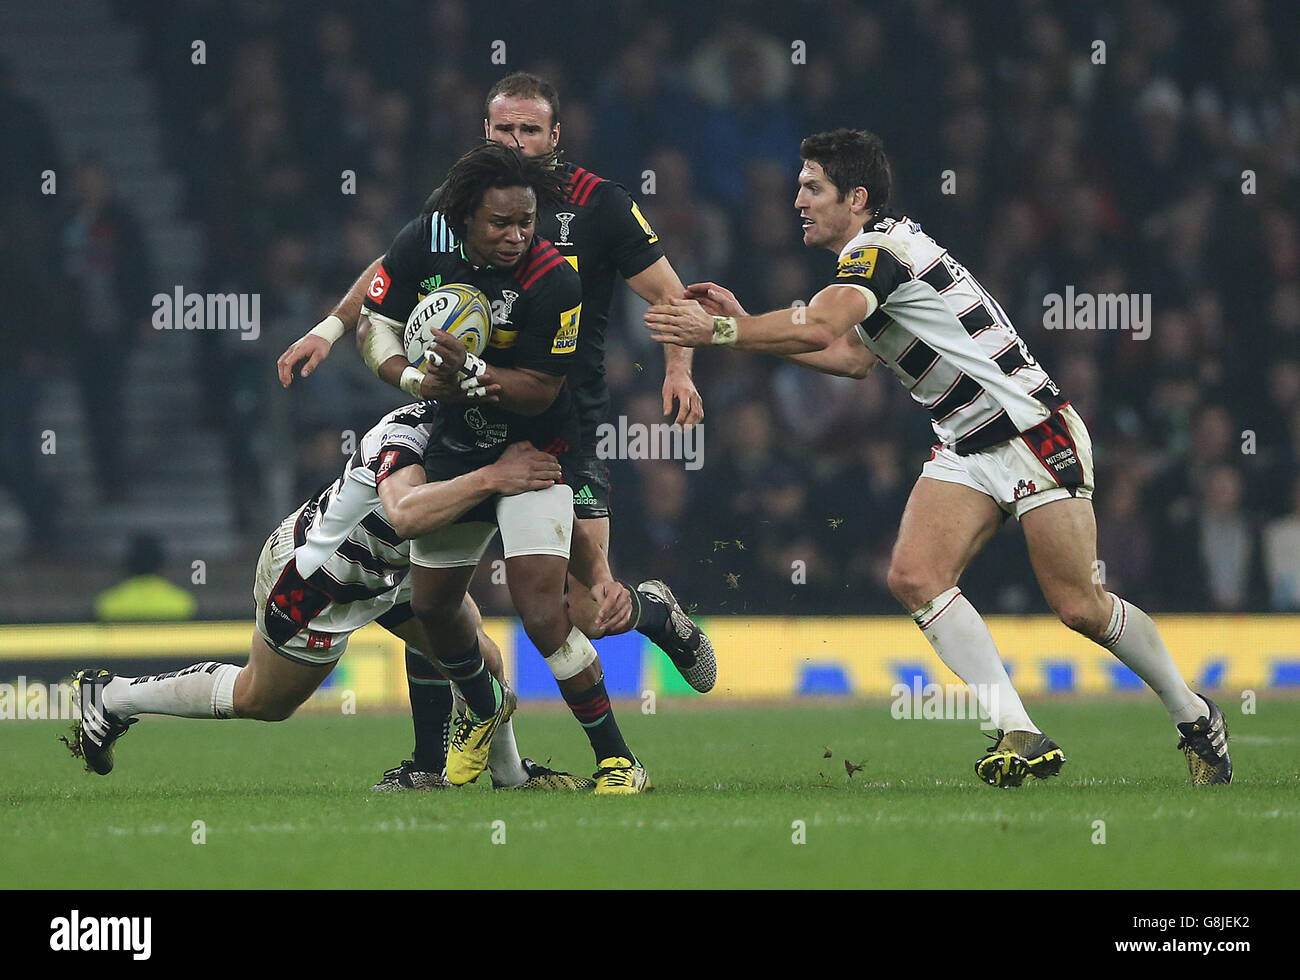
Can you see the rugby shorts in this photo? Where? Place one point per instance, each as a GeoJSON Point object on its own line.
{"type": "Point", "coordinates": [1052, 461]}
{"type": "Point", "coordinates": [299, 621]}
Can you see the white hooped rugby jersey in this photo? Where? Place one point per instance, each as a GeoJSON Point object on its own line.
{"type": "Point", "coordinates": [945, 337]}
{"type": "Point", "coordinates": [343, 544]}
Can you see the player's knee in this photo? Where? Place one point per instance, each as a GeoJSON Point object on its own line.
{"type": "Point", "coordinates": [546, 623]}
{"type": "Point", "coordinates": [912, 586]}
{"type": "Point", "coordinates": [434, 606]}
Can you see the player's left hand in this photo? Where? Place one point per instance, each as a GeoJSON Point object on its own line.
{"type": "Point", "coordinates": [615, 607]}
{"type": "Point", "coordinates": [680, 321]}
{"type": "Point", "coordinates": [449, 348]}
{"type": "Point", "coordinates": [309, 348]}
{"type": "Point", "coordinates": [679, 387]}
{"type": "Point", "coordinates": [446, 385]}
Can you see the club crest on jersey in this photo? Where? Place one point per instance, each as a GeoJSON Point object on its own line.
{"type": "Point", "coordinates": [429, 285]}
{"type": "Point", "coordinates": [474, 419]}
{"type": "Point", "coordinates": [501, 307]}
{"type": "Point", "coordinates": [385, 465]}
{"type": "Point", "coordinates": [859, 262]}
{"type": "Point", "coordinates": [564, 218]}
{"type": "Point", "coordinates": [1024, 488]}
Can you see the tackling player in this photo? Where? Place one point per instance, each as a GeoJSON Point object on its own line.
{"type": "Point", "coordinates": [516, 391]}
{"type": "Point", "coordinates": [336, 563]}
{"type": "Point", "coordinates": [601, 232]}
{"type": "Point", "coordinates": [1009, 444]}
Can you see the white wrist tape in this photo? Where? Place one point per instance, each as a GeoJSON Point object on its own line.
{"type": "Point", "coordinates": [330, 329]}
{"type": "Point", "coordinates": [412, 379]}
{"type": "Point", "coordinates": [473, 369]}
{"type": "Point", "coordinates": [573, 658]}
{"type": "Point", "coordinates": [725, 330]}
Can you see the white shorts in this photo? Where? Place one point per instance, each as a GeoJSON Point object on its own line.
{"type": "Point", "coordinates": [1052, 461]}
{"type": "Point", "coordinates": [325, 636]}
{"type": "Point", "coordinates": [539, 522]}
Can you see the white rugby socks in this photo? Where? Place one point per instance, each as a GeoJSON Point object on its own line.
{"type": "Point", "coordinates": [205, 690]}
{"type": "Point", "coordinates": [503, 758]}
{"type": "Point", "coordinates": [1136, 643]}
{"type": "Point", "coordinates": [963, 642]}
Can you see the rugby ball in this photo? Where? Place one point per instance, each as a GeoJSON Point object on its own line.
{"type": "Point", "coordinates": [459, 309]}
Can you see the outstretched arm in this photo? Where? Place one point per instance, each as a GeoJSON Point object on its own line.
{"type": "Point", "coordinates": [818, 336]}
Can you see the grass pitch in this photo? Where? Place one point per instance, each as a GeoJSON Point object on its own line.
{"type": "Point", "coordinates": [287, 805]}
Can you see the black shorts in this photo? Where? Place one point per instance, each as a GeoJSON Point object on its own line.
{"type": "Point", "coordinates": [441, 465]}
{"type": "Point", "coordinates": [590, 482]}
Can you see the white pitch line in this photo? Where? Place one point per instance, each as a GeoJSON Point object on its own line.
{"type": "Point", "coordinates": [774, 824]}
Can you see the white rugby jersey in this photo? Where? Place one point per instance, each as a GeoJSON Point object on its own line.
{"type": "Point", "coordinates": [945, 337]}
{"type": "Point", "coordinates": [343, 543]}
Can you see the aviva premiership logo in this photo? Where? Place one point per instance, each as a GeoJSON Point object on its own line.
{"type": "Point", "coordinates": [859, 262]}
{"type": "Point", "coordinates": [564, 218]}
{"type": "Point", "coordinates": [566, 338]}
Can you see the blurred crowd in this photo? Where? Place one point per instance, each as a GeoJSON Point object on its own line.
{"type": "Point", "coordinates": [1133, 147]}
{"type": "Point", "coordinates": [74, 261]}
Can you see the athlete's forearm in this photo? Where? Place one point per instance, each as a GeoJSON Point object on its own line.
{"type": "Point", "coordinates": [391, 371]}
{"type": "Point", "coordinates": [525, 392]}
{"type": "Point", "coordinates": [658, 284]}
{"type": "Point", "coordinates": [419, 510]}
{"type": "Point", "coordinates": [845, 358]}
{"type": "Point", "coordinates": [587, 560]}
{"type": "Point", "coordinates": [348, 309]}
{"type": "Point", "coordinates": [794, 331]}
{"type": "Point", "coordinates": [802, 329]}
{"type": "Point", "coordinates": [678, 359]}
{"type": "Point", "coordinates": [381, 349]}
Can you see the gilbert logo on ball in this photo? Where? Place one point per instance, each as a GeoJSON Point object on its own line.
{"type": "Point", "coordinates": [460, 309]}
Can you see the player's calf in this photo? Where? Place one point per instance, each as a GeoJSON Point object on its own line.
{"type": "Point", "coordinates": [272, 687]}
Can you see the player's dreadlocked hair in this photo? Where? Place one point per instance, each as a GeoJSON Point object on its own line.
{"type": "Point", "coordinates": [852, 158]}
{"type": "Point", "coordinates": [491, 165]}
